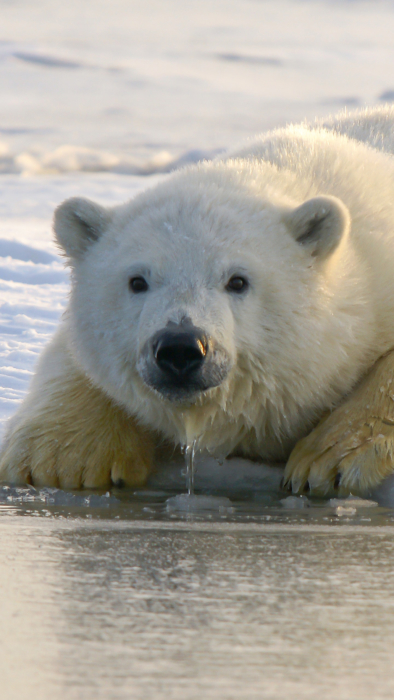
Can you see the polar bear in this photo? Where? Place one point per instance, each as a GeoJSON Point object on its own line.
{"type": "Point", "coordinates": [246, 303]}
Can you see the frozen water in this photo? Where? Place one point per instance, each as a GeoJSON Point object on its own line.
{"type": "Point", "coordinates": [352, 502]}
{"type": "Point", "coordinates": [234, 475]}
{"type": "Point", "coordinates": [186, 503]}
{"type": "Point", "coordinates": [345, 511]}
{"type": "Point", "coordinates": [113, 595]}
{"type": "Point", "coordinates": [111, 610]}
{"type": "Point", "coordinates": [55, 497]}
{"type": "Point", "coordinates": [295, 502]}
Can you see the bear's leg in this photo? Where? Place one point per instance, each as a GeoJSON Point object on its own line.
{"type": "Point", "coordinates": [351, 450]}
{"type": "Point", "coordinates": [76, 438]}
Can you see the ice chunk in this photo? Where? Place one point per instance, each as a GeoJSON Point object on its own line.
{"type": "Point", "coordinates": [343, 510]}
{"type": "Point", "coordinates": [352, 502]}
{"type": "Point", "coordinates": [295, 502]}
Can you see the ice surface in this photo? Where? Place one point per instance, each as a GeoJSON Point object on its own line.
{"type": "Point", "coordinates": [113, 610]}
{"type": "Point", "coordinates": [195, 504]}
{"type": "Point", "coordinates": [55, 497]}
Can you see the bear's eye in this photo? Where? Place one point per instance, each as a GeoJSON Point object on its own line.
{"type": "Point", "coordinates": [138, 284]}
{"type": "Point", "coordinates": [237, 284]}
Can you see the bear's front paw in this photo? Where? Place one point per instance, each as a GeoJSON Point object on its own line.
{"type": "Point", "coordinates": [71, 458]}
{"type": "Point", "coordinates": [340, 459]}
{"type": "Point", "coordinates": [352, 449]}
{"type": "Point", "coordinates": [76, 438]}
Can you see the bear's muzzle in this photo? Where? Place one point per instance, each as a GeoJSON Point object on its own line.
{"type": "Point", "coordinates": [180, 362]}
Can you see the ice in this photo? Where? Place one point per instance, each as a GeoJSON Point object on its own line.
{"type": "Point", "coordinates": [345, 511]}
{"type": "Point", "coordinates": [196, 504]}
{"type": "Point", "coordinates": [352, 502]}
{"type": "Point", "coordinates": [351, 505]}
{"type": "Point", "coordinates": [236, 475]}
{"type": "Point", "coordinates": [55, 497]}
{"type": "Point", "coordinates": [295, 502]}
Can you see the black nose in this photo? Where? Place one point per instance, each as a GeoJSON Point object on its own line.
{"type": "Point", "coordinates": [180, 353]}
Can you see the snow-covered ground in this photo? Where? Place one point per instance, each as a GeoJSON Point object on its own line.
{"type": "Point", "coordinates": [141, 83]}
{"type": "Point", "coordinates": [98, 99]}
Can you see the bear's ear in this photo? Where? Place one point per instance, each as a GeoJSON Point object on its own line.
{"type": "Point", "coordinates": [319, 224]}
{"type": "Point", "coordinates": [78, 223]}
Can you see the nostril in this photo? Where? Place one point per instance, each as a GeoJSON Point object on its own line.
{"type": "Point", "coordinates": [180, 358]}
{"type": "Point", "coordinates": [180, 354]}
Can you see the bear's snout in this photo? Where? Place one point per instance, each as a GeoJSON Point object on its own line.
{"type": "Point", "coordinates": [180, 361]}
{"type": "Point", "coordinates": [180, 353]}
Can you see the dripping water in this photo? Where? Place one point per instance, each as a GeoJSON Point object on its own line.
{"type": "Point", "coordinates": [189, 502]}
{"type": "Point", "coordinates": [192, 432]}
{"type": "Point", "coordinates": [190, 451]}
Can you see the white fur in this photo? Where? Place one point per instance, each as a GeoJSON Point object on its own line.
{"type": "Point", "coordinates": [371, 125]}
{"type": "Point", "coordinates": [310, 325]}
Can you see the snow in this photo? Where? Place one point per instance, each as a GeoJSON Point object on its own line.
{"type": "Point", "coordinates": [132, 86]}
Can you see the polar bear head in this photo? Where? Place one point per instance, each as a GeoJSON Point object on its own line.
{"type": "Point", "coordinates": [208, 296]}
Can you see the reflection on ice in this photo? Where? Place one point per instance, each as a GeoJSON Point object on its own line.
{"type": "Point", "coordinates": [110, 610]}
